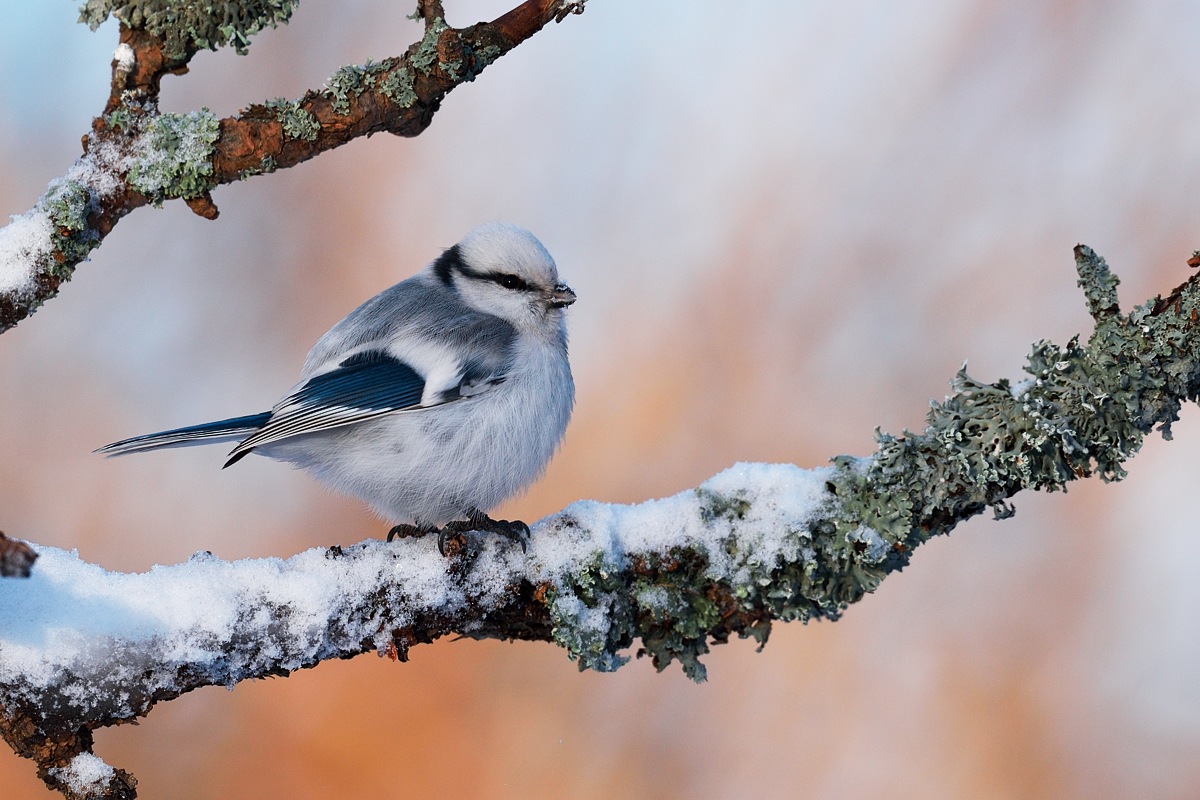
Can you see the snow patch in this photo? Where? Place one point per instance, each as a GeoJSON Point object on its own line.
{"type": "Point", "coordinates": [24, 244]}
{"type": "Point", "coordinates": [84, 774]}
{"type": "Point", "coordinates": [100, 169]}
{"type": "Point", "coordinates": [27, 242]}
{"type": "Point", "coordinates": [769, 505]}
{"type": "Point", "coordinates": [125, 58]}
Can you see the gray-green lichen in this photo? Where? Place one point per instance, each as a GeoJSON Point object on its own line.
{"type": "Point", "coordinates": [188, 26]}
{"type": "Point", "coordinates": [397, 86]}
{"type": "Point", "coordinates": [465, 64]}
{"type": "Point", "coordinates": [173, 155]}
{"type": "Point", "coordinates": [265, 165]}
{"type": "Point", "coordinates": [68, 203]}
{"type": "Point", "coordinates": [396, 79]}
{"type": "Point", "coordinates": [473, 61]}
{"type": "Point", "coordinates": [679, 600]}
{"type": "Point", "coordinates": [298, 122]}
{"type": "Point", "coordinates": [717, 572]}
{"type": "Point", "coordinates": [425, 56]}
{"type": "Point", "coordinates": [121, 119]}
{"type": "Point", "coordinates": [1099, 286]}
{"type": "Point", "coordinates": [591, 615]}
{"type": "Point", "coordinates": [351, 81]}
{"type": "Point", "coordinates": [1082, 410]}
{"type": "Point", "coordinates": [40, 248]}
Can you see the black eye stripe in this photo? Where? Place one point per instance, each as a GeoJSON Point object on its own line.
{"type": "Point", "coordinates": [508, 280]}
{"type": "Point", "coordinates": [451, 261]}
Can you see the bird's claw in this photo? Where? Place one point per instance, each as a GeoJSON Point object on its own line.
{"type": "Point", "coordinates": [446, 533]}
{"type": "Point", "coordinates": [406, 531]}
{"type": "Point", "coordinates": [514, 530]}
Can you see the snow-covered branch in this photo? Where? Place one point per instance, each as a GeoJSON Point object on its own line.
{"type": "Point", "coordinates": [136, 154]}
{"type": "Point", "coordinates": [82, 648]}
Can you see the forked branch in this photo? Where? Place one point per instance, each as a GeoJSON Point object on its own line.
{"type": "Point", "coordinates": [136, 154]}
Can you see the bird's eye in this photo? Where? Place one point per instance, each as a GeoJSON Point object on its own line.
{"type": "Point", "coordinates": [509, 281]}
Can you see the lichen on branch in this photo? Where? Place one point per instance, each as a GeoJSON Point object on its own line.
{"type": "Point", "coordinates": [1082, 410]}
{"type": "Point", "coordinates": [147, 156]}
{"type": "Point", "coordinates": [755, 545]}
{"type": "Point", "coordinates": [188, 26]}
{"type": "Point", "coordinates": [172, 155]}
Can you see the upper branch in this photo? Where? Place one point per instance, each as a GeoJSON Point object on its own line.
{"type": "Point", "coordinates": [398, 95]}
{"type": "Point", "coordinates": [136, 155]}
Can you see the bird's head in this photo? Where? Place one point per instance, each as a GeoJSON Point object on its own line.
{"type": "Point", "coordinates": [504, 270]}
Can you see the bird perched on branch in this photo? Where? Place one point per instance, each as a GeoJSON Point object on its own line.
{"type": "Point", "coordinates": [433, 401]}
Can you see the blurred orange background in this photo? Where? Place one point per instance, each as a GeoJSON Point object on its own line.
{"type": "Point", "coordinates": [788, 223]}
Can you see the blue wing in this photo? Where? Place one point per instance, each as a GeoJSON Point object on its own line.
{"type": "Point", "coordinates": [366, 385]}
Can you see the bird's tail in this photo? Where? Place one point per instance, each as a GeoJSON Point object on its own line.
{"type": "Point", "coordinates": [225, 430]}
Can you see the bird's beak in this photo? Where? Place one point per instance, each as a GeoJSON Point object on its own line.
{"type": "Point", "coordinates": [561, 297]}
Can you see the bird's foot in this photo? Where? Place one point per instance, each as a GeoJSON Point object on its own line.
{"type": "Point", "coordinates": [406, 531]}
{"type": "Point", "coordinates": [514, 530]}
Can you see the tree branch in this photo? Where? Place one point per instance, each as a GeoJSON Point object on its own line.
{"type": "Point", "coordinates": [81, 648]}
{"type": "Point", "coordinates": [16, 558]}
{"type": "Point", "coordinates": [137, 155]}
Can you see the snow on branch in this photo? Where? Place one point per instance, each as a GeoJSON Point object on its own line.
{"type": "Point", "coordinates": [81, 648]}
{"type": "Point", "coordinates": [136, 154]}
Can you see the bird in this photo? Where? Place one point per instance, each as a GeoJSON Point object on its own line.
{"type": "Point", "coordinates": [433, 401]}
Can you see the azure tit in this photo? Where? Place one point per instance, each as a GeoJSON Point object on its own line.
{"type": "Point", "coordinates": [433, 401]}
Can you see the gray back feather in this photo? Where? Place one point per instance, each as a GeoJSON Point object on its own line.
{"type": "Point", "coordinates": [420, 308]}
